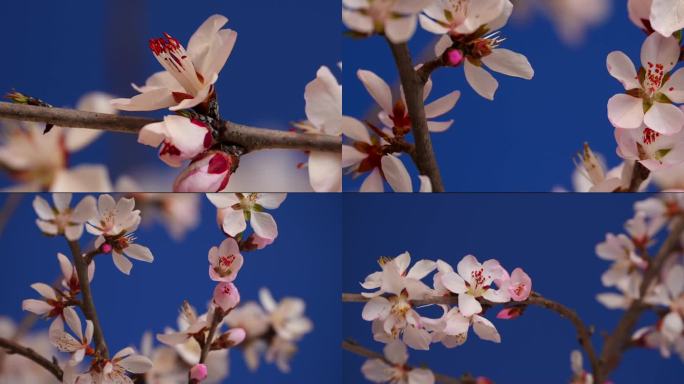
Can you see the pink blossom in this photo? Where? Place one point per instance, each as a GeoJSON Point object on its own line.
{"type": "Point", "coordinates": [199, 372]}
{"type": "Point", "coordinates": [178, 138]}
{"type": "Point", "coordinates": [509, 313]}
{"type": "Point", "coordinates": [208, 173]}
{"type": "Point", "coordinates": [225, 261]}
{"type": "Point", "coordinates": [226, 296]}
{"type": "Point", "coordinates": [519, 285]}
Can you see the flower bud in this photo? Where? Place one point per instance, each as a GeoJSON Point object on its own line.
{"type": "Point", "coordinates": [230, 339]}
{"type": "Point", "coordinates": [198, 372]}
{"type": "Point", "coordinates": [454, 57]}
{"type": "Point", "coordinates": [208, 173]}
{"type": "Point", "coordinates": [226, 296]}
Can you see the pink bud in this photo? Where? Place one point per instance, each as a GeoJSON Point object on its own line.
{"type": "Point", "coordinates": [106, 248]}
{"type": "Point", "coordinates": [260, 242]}
{"type": "Point", "coordinates": [208, 173]}
{"type": "Point", "coordinates": [520, 285]}
{"type": "Point", "coordinates": [236, 336]}
{"type": "Point", "coordinates": [226, 296]}
{"type": "Point", "coordinates": [198, 372]}
{"type": "Point", "coordinates": [509, 313]}
{"type": "Point", "coordinates": [454, 57]}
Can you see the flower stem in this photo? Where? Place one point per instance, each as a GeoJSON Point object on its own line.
{"type": "Point", "coordinates": [215, 321]}
{"type": "Point", "coordinates": [88, 304]}
{"type": "Point", "coordinates": [413, 85]}
{"type": "Point", "coordinates": [13, 347]}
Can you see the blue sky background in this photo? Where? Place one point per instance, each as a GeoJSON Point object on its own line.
{"type": "Point", "coordinates": [526, 138]}
{"type": "Point", "coordinates": [552, 237]}
{"type": "Point", "coordinates": [303, 262]}
{"type": "Point", "coordinates": [59, 51]}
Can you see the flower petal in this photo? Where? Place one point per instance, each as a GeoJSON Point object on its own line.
{"type": "Point", "coordinates": [480, 80]}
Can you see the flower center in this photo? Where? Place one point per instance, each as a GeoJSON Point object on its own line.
{"type": "Point", "coordinates": [172, 56]}
{"type": "Point", "coordinates": [224, 267]}
{"type": "Point", "coordinates": [653, 79]}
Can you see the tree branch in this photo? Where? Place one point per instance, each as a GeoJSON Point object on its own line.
{"type": "Point", "coordinates": [215, 321]}
{"type": "Point", "coordinates": [615, 344]}
{"type": "Point", "coordinates": [13, 347]}
{"type": "Point", "coordinates": [584, 333]}
{"type": "Point", "coordinates": [355, 348]}
{"type": "Point", "coordinates": [639, 175]}
{"type": "Point", "coordinates": [250, 138]}
{"type": "Point", "coordinates": [88, 304]}
{"type": "Point", "coordinates": [413, 89]}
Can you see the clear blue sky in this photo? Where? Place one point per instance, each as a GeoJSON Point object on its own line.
{"type": "Point", "coordinates": [525, 139]}
{"type": "Point", "coordinates": [58, 51]}
{"type": "Point", "coordinates": [552, 237]}
{"type": "Point", "coordinates": [303, 262]}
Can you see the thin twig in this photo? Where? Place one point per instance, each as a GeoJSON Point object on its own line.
{"type": "Point", "coordinates": [13, 347]}
{"type": "Point", "coordinates": [355, 348]}
{"type": "Point", "coordinates": [215, 321]}
{"type": "Point", "coordinates": [584, 333]}
{"type": "Point", "coordinates": [615, 344]}
{"type": "Point", "coordinates": [413, 86]}
{"type": "Point", "coordinates": [250, 138]}
{"type": "Point", "coordinates": [88, 304]}
{"type": "Point", "coordinates": [639, 175]}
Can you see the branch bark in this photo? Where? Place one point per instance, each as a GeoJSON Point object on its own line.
{"type": "Point", "coordinates": [367, 353]}
{"type": "Point", "coordinates": [250, 138]}
{"type": "Point", "coordinates": [584, 333]}
{"type": "Point", "coordinates": [13, 347]}
{"type": "Point", "coordinates": [413, 84]}
{"type": "Point", "coordinates": [615, 344]}
{"type": "Point", "coordinates": [639, 175]}
{"type": "Point", "coordinates": [88, 304]}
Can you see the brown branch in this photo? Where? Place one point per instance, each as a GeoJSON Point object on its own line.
{"type": "Point", "coordinates": [639, 175]}
{"type": "Point", "coordinates": [88, 304]}
{"type": "Point", "coordinates": [413, 89]}
{"type": "Point", "coordinates": [355, 348]}
{"type": "Point", "coordinates": [584, 333]}
{"type": "Point", "coordinates": [615, 343]}
{"type": "Point", "coordinates": [250, 138]}
{"type": "Point", "coordinates": [215, 321]}
{"type": "Point", "coordinates": [13, 347]}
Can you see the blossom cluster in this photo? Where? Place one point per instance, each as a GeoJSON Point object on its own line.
{"type": "Point", "coordinates": [469, 37]}
{"type": "Point", "coordinates": [198, 349]}
{"type": "Point", "coordinates": [629, 254]}
{"type": "Point", "coordinates": [463, 295]}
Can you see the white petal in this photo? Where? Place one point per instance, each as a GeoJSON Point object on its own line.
{"type": "Point", "coordinates": [377, 371]}
{"type": "Point", "coordinates": [421, 376]}
{"type": "Point", "coordinates": [664, 118]}
{"type": "Point", "coordinates": [485, 329]}
{"type": "Point", "coordinates": [172, 339]}
{"type": "Point", "coordinates": [136, 364]}
{"type": "Point", "coordinates": [667, 16]}
{"type": "Point", "coordinates": [377, 87]}
{"type": "Point", "coordinates": [264, 225]}
{"type": "Point", "coordinates": [150, 100]}
{"type": "Point", "coordinates": [39, 307]}
{"type": "Point", "coordinates": [674, 87]}
{"type": "Point", "coordinates": [45, 290]}
{"type": "Point", "coordinates": [138, 252]}
{"type": "Point", "coordinates": [417, 338]}
{"type": "Point", "coordinates": [83, 178]}
{"type": "Point", "coordinates": [622, 68]}
{"type": "Point", "coordinates": [271, 200]}
{"type": "Point", "coordinates": [468, 305]}
{"type": "Point", "coordinates": [482, 81]}
{"type": "Point", "coordinates": [43, 209]}
{"type": "Point", "coordinates": [625, 111]}
{"type": "Point", "coordinates": [325, 171]}
{"type": "Point", "coordinates": [453, 282]}
{"type": "Point", "coordinates": [373, 182]}
{"type": "Point", "coordinates": [421, 269]}
{"type": "Point", "coordinates": [396, 352]}
{"type": "Point", "coordinates": [223, 200]}
{"type": "Point", "coordinates": [396, 174]}
{"type": "Point", "coordinates": [660, 50]}
{"type": "Point", "coordinates": [357, 21]}
{"type": "Point", "coordinates": [234, 222]}
{"type": "Point", "coordinates": [122, 263]}
{"type": "Point", "coordinates": [85, 210]}
{"type": "Point", "coordinates": [509, 63]}
{"type": "Point", "coordinates": [376, 308]}
{"type": "Point", "coordinates": [73, 321]}
{"type": "Point", "coordinates": [400, 29]}
{"type": "Point", "coordinates": [442, 105]}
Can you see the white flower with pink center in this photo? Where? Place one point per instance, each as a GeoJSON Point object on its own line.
{"type": "Point", "coordinates": [518, 284]}
{"type": "Point", "coordinates": [651, 92]}
{"type": "Point", "coordinates": [189, 324]}
{"type": "Point", "coordinates": [189, 76]}
{"type": "Point", "coordinates": [396, 276]}
{"type": "Point", "coordinates": [178, 138]}
{"type": "Point", "coordinates": [286, 316]}
{"type": "Point", "coordinates": [474, 280]}
{"type": "Point", "coordinates": [70, 281]}
{"type": "Point", "coordinates": [375, 157]}
{"type": "Point", "coordinates": [652, 149]}
{"type": "Point", "coordinates": [621, 251]}
{"type": "Point", "coordinates": [225, 261]}
{"type": "Point", "coordinates": [78, 346]}
{"type": "Point", "coordinates": [51, 305]}
{"type": "Point", "coordinates": [395, 114]}
{"type": "Point", "coordinates": [235, 209]}
{"type": "Point", "coordinates": [471, 37]}
{"type": "Point", "coordinates": [396, 19]}
{"type": "Point", "coordinates": [62, 219]}
{"type": "Point", "coordinates": [456, 324]}
{"type": "Point", "coordinates": [671, 295]}
{"type": "Point", "coordinates": [113, 371]}
{"type": "Point", "coordinates": [122, 246]}
{"type": "Point", "coordinates": [113, 217]}
{"type": "Point", "coordinates": [393, 368]}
